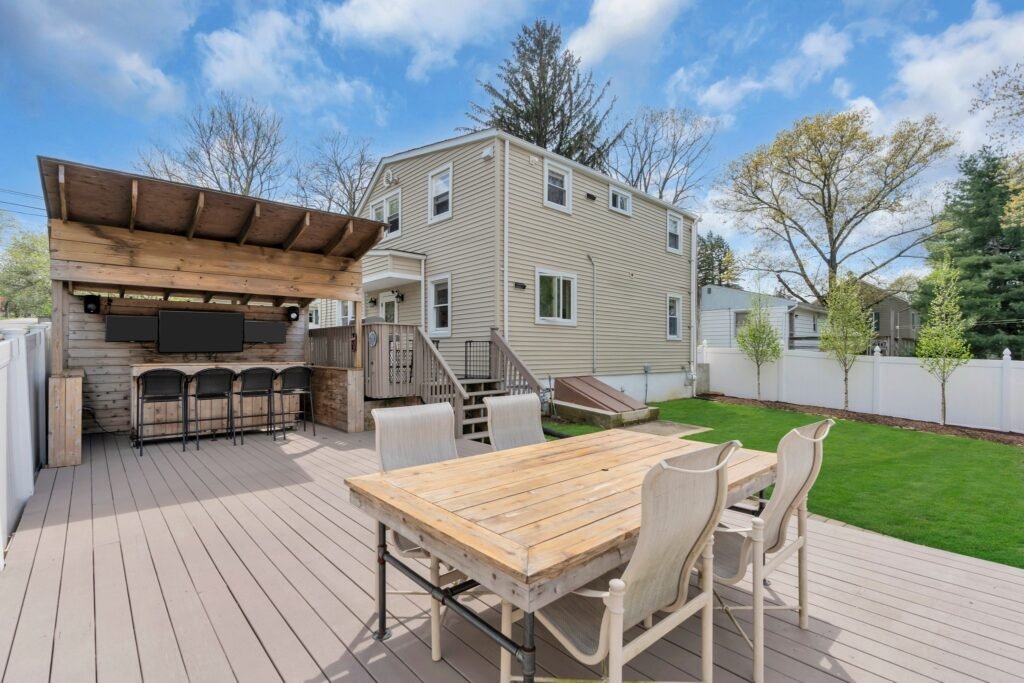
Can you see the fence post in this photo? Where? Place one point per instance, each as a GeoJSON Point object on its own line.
{"type": "Point", "coordinates": [780, 378]}
{"type": "Point", "coordinates": [1005, 422]}
{"type": "Point", "coordinates": [876, 380]}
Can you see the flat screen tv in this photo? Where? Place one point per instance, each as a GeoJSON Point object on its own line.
{"type": "Point", "coordinates": [200, 332]}
{"type": "Point", "coordinates": [131, 328]}
{"type": "Point", "coordinates": [265, 332]}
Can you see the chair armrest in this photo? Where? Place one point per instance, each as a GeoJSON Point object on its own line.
{"type": "Point", "coordinates": [589, 593]}
{"type": "Point", "coordinates": [556, 434]}
{"type": "Point", "coordinates": [722, 529]}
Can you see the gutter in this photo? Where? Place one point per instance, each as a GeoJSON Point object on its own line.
{"type": "Point", "coordinates": [504, 256]}
{"type": "Point", "coordinates": [593, 314]}
{"type": "Point", "coordinates": [694, 293]}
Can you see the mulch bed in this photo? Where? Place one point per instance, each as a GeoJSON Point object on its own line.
{"type": "Point", "coordinates": [899, 422]}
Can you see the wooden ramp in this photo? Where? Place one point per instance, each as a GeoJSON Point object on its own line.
{"type": "Point", "coordinates": [593, 393]}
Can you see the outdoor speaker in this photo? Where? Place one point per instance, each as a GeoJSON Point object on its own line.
{"type": "Point", "coordinates": [293, 313]}
{"type": "Point", "coordinates": [92, 303]}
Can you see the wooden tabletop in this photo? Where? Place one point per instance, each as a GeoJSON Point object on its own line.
{"type": "Point", "coordinates": [533, 523]}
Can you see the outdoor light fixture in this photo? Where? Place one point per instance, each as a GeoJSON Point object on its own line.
{"type": "Point", "coordinates": [399, 297]}
{"type": "Point", "coordinates": [293, 313]}
{"type": "Point", "coordinates": [372, 301]}
{"type": "Point", "coordinates": [92, 303]}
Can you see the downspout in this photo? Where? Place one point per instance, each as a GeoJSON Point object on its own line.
{"type": "Point", "coordinates": [504, 255]}
{"type": "Point", "coordinates": [423, 294]}
{"type": "Point", "coordinates": [593, 314]}
{"type": "Point", "coordinates": [693, 302]}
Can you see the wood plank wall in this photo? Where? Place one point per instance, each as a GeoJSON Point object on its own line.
{"type": "Point", "coordinates": [338, 396]}
{"type": "Point", "coordinates": [107, 365]}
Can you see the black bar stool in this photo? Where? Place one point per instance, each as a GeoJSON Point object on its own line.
{"type": "Point", "coordinates": [297, 381]}
{"type": "Point", "coordinates": [161, 386]}
{"type": "Point", "coordinates": [256, 383]}
{"type": "Point", "coordinates": [214, 384]}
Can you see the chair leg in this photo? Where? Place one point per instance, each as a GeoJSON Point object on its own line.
{"type": "Point", "coordinates": [707, 617]}
{"type": "Point", "coordinates": [241, 406]}
{"type": "Point", "coordinates": [506, 630]}
{"type": "Point", "coordinates": [199, 421]}
{"type": "Point", "coordinates": [140, 420]}
{"type": "Point", "coordinates": [312, 412]}
{"type": "Point", "coordinates": [802, 563]}
{"type": "Point", "coordinates": [757, 535]}
{"type": "Point", "coordinates": [184, 422]}
{"type": "Point", "coordinates": [231, 417]}
{"type": "Point", "coordinates": [435, 612]}
{"type": "Point", "coordinates": [614, 601]}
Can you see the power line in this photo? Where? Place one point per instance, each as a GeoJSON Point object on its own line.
{"type": "Point", "coordinates": [25, 213]}
{"type": "Point", "coordinates": [27, 206]}
{"type": "Point", "coordinates": [23, 194]}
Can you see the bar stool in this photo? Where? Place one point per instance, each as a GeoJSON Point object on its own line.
{"type": "Point", "coordinates": [161, 386]}
{"type": "Point", "coordinates": [256, 383]}
{"type": "Point", "coordinates": [214, 384]}
{"type": "Point", "coordinates": [297, 381]}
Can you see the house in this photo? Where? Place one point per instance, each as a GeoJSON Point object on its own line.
{"type": "Point", "coordinates": [896, 321]}
{"type": "Point", "coordinates": [724, 309]}
{"type": "Point", "coordinates": [580, 274]}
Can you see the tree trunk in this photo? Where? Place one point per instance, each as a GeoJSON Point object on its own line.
{"type": "Point", "coordinates": [758, 382]}
{"type": "Point", "coordinates": [846, 388]}
{"type": "Point", "coordinates": [942, 386]}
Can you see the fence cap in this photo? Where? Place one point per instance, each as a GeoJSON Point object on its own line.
{"type": "Point", "coordinates": [13, 331]}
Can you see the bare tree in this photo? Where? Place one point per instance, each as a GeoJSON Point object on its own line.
{"type": "Point", "coordinates": [1001, 94]}
{"type": "Point", "coordinates": [337, 175]}
{"type": "Point", "coordinates": [663, 152]}
{"type": "Point", "coordinates": [234, 144]}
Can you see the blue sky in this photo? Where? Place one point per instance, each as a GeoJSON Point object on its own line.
{"type": "Point", "coordinates": [98, 81]}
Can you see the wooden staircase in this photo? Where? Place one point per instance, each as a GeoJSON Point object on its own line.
{"type": "Point", "coordinates": [474, 411]}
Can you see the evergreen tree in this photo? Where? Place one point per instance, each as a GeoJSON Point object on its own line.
{"type": "Point", "coordinates": [987, 251]}
{"type": "Point", "coordinates": [544, 97]}
{"type": "Point", "coordinates": [716, 264]}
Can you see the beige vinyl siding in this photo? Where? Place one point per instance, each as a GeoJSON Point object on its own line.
{"type": "Point", "coordinates": [635, 274]}
{"type": "Point", "coordinates": [464, 246]}
{"type": "Point", "coordinates": [374, 265]}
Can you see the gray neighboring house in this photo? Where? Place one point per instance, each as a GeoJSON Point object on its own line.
{"type": "Point", "coordinates": [896, 321]}
{"type": "Point", "coordinates": [724, 309]}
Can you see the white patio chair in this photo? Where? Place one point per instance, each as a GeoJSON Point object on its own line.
{"type": "Point", "coordinates": [405, 437]}
{"type": "Point", "coordinates": [681, 503]}
{"type": "Point", "coordinates": [800, 454]}
{"type": "Point", "coordinates": [514, 421]}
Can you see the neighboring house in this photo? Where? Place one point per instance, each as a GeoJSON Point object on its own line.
{"type": "Point", "coordinates": [724, 309]}
{"type": "Point", "coordinates": [896, 321]}
{"type": "Point", "coordinates": [327, 313]}
{"type": "Point", "coordinates": [581, 274]}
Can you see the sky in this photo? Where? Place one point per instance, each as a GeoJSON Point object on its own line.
{"type": "Point", "coordinates": [99, 81]}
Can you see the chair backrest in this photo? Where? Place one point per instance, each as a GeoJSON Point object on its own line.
{"type": "Point", "coordinates": [800, 454]}
{"type": "Point", "coordinates": [679, 510]}
{"type": "Point", "coordinates": [514, 421]}
{"type": "Point", "coordinates": [214, 381]}
{"type": "Point", "coordinates": [414, 435]}
{"type": "Point", "coordinates": [297, 378]}
{"type": "Point", "coordinates": [257, 379]}
{"type": "Point", "coordinates": [162, 383]}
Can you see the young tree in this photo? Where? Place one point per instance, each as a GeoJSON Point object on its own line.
{"type": "Point", "coordinates": [544, 97]}
{"type": "Point", "coordinates": [25, 274]}
{"type": "Point", "coordinates": [848, 330]}
{"type": "Point", "coordinates": [811, 196]}
{"type": "Point", "coordinates": [663, 152]}
{"type": "Point", "coordinates": [235, 144]}
{"type": "Point", "coordinates": [758, 338]}
{"type": "Point", "coordinates": [337, 175]}
{"type": "Point", "coordinates": [942, 343]}
{"type": "Point", "coordinates": [716, 264]}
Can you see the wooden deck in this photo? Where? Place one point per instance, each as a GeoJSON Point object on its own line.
{"type": "Point", "coordinates": [248, 563]}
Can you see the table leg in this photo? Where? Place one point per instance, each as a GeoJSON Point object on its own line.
{"type": "Point", "coordinates": [382, 632]}
{"type": "Point", "coordinates": [529, 658]}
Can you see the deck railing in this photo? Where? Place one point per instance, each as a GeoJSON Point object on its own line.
{"type": "Point", "coordinates": [437, 383]}
{"type": "Point", "coordinates": [509, 369]}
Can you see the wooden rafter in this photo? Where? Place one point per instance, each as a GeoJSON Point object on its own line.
{"type": "Point", "coordinates": [246, 299]}
{"type": "Point", "coordinates": [296, 232]}
{"type": "Point", "coordinates": [370, 244]}
{"type": "Point", "coordinates": [208, 297]}
{"type": "Point", "coordinates": [63, 188]}
{"type": "Point", "coordinates": [254, 216]}
{"type": "Point", "coordinates": [342, 235]}
{"type": "Point", "coordinates": [196, 213]}
{"type": "Point", "coordinates": [135, 204]}
{"type": "Point", "coordinates": [279, 301]}
{"type": "Point", "coordinates": [303, 303]}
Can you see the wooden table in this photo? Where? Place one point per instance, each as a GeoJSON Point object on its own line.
{"type": "Point", "coordinates": [532, 524]}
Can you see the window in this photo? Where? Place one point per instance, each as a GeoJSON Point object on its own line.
{"type": "Point", "coordinates": [741, 318]}
{"type": "Point", "coordinates": [556, 297]}
{"type": "Point", "coordinates": [389, 310]}
{"type": "Point", "coordinates": [674, 317]}
{"type": "Point", "coordinates": [675, 233]}
{"type": "Point", "coordinates": [314, 315]}
{"type": "Point", "coordinates": [557, 186]}
{"type": "Point", "coordinates": [345, 312]}
{"type": "Point", "coordinates": [814, 321]}
{"type": "Point", "coordinates": [439, 189]}
{"type": "Point", "coordinates": [439, 306]}
{"type": "Point", "coordinates": [620, 200]}
{"type": "Point", "coordinates": [876, 318]}
{"type": "Point", "coordinates": [388, 210]}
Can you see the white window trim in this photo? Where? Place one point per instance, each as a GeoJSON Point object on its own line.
{"type": "Point", "coordinates": [384, 200]}
{"type": "Point", "coordinates": [548, 164]}
{"type": "Point", "coordinates": [669, 215]}
{"type": "Point", "coordinates": [430, 197]}
{"type": "Point", "coordinates": [439, 332]}
{"type": "Point", "coordinates": [612, 189]}
{"type": "Point", "coordinates": [679, 314]}
{"type": "Point", "coordinates": [536, 297]}
{"type": "Point", "coordinates": [387, 298]}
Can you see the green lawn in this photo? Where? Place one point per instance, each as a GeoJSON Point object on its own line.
{"type": "Point", "coordinates": [963, 495]}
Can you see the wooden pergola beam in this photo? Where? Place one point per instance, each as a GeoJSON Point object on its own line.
{"type": "Point", "coordinates": [254, 216]}
{"type": "Point", "coordinates": [342, 235]}
{"type": "Point", "coordinates": [63, 188]}
{"type": "Point", "coordinates": [304, 303]}
{"type": "Point", "coordinates": [296, 232]}
{"type": "Point", "coordinates": [135, 204]}
{"type": "Point", "coordinates": [246, 299]}
{"type": "Point", "coordinates": [196, 213]}
{"type": "Point", "coordinates": [370, 244]}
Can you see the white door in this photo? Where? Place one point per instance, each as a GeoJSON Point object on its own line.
{"type": "Point", "coordinates": [389, 308]}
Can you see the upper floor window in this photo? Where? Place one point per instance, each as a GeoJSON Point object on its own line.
{"type": "Point", "coordinates": [557, 186]}
{"type": "Point", "coordinates": [675, 233]}
{"type": "Point", "coordinates": [388, 210]}
{"type": "Point", "coordinates": [674, 317]}
{"type": "Point", "coordinates": [439, 306]}
{"type": "Point", "coordinates": [814, 321]}
{"type": "Point", "coordinates": [876, 318]}
{"type": "Point", "coordinates": [439, 188]}
{"type": "Point", "coordinates": [620, 200]}
{"type": "Point", "coordinates": [314, 315]}
{"type": "Point", "coordinates": [556, 297]}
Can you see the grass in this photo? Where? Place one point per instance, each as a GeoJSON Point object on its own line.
{"type": "Point", "coordinates": [950, 492]}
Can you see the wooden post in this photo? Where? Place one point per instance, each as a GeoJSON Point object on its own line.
{"type": "Point", "coordinates": [57, 328]}
{"type": "Point", "coordinates": [64, 433]}
{"type": "Point", "coordinates": [357, 321]}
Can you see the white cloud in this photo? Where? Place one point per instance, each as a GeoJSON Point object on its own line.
{"type": "Point", "coordinates": [623, 26]}
{"type": "Point", "coordinates": [271, 53]}
{"type": "Point", "coordinates": [841, 88]}
{"type": "Point", "coordinates": [112, 48]}
{"type": "Point", "coordinates": [433, 31]}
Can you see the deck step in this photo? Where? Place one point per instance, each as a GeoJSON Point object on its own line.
{"type": "Point", "coordinates": [486, 392]}
{"type": "Point", "coordinates": [474, 421]}
{"type": "Point", "coordinates": [477, 436]}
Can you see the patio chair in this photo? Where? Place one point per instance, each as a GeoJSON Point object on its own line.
{"type": "Point", "coordinates": [514, 421]}
{"type": "Point", "coordinates": [161, 386]}
{"type": "Point", "coordinates": [736, 549]}
{"type": "Point", "coordinates": [681, 503]}
{"type": "Point", "coordinates": [257, 383]}
{"type": "Point", "coordinates": [406, 437]}
{"type": "Point", "coordinates": [213, 384]}
{"type": "Point", "coordinates": [296, 381]}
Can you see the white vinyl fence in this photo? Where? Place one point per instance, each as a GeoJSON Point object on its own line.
{"type": "Point", "coordinates": [987, 394]}
{"type": "Point", "coordinates": [23, 355]}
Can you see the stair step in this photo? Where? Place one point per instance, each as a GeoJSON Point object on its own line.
{"type": "Point", "coordinates": [477, 436]}
{"type": "Point", "coordinates": [474, 421]}
{"type": "Point", "coordinates": [485, 380]}
{"type": "Point", "coordinates": [486, 392]}
{"type": "Point", "coordinates": [467, 407]}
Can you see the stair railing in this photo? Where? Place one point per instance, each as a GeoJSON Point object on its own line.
{"type": "Point", "coordinates": [509, 369]}
{"type": "Point", "coordinates": [435, 379]}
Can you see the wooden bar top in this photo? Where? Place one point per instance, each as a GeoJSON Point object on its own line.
{"type": "Point", "coordinates": [192, 368]}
